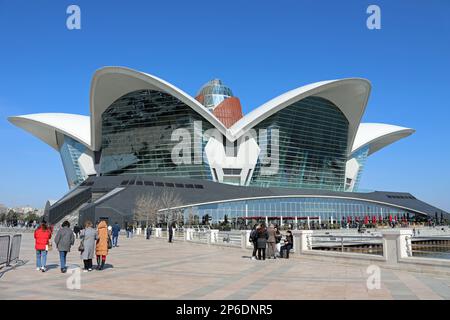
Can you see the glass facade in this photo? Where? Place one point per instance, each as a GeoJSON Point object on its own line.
{"type": "Point", "coordinates": [289, 208]}
{"type": "Point", "coordinates": [70, 151]}
{"type": "Point", "coordinates": [213, 93]}
{"type": "Point", "coordinates": [360, 156]}
{"type": "Point", "coordinates": [137, 136]}
{"type": "Point", "coordinates": [312, 146]}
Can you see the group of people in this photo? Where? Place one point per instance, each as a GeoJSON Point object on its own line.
{"type": "Point", "coordinates": [269, 238]}
{"type": "Point", "coordinates": [94, 241]}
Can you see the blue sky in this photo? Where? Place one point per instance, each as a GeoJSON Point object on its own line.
{"type": "Point", "coordinates": [259, 48]}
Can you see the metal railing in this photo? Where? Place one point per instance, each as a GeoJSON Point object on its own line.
{"type": "Point", "coordinates": [430, 247]}
{"type": "Point", "coordinates": [15, 248]}
{"type": "Point", "coordinates": [9, 249]}
{"type": "Point", "coordinates": [4, 249]}
{"type": "Point", "coordinates": [354, 244]}
{"type": "Point", "coordinates": [229, 238]}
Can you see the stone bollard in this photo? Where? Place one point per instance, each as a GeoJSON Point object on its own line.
{"type": "Point", "coordinates": [158, 232]}
{"type": "Point", "coordinates": [396, 245]}
{"type": "Point", "coordinates": [188, 235]}
{"type": "Point", "coordinates": [302, 240]}
{"type": "Point", "coordinates": [247, 236]}
{"type": "Point", "coordinates": [244, 239]}
{"type": "Point", "coordinates": [213, 236]}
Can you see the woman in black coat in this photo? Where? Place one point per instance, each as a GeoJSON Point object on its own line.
{"type": "Point", "coordinates": [261, 242]}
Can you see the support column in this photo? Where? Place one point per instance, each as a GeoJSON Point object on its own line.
{"type": "Point", "coordinates": [302, 240]}
{"type": "Point", "coordinates": [396, 245]}
{"type": "Point", "coordinates": [244, 239]}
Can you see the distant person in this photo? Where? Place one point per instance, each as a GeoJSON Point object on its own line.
{"type": "Point", "coordinates": [271, 242]}
{"type": "Point", "coordinates": [253, 239]}
{"type": "Point", "coordinates": [171, 226]}
{"type": "Point", "coordinates": [42, 236]}
{"type": "Point", "coordinates": [101, 248]}
{"type": "Point", "coordinates": [277, 240]}
{"type": "Point", "coordinates": [64, 239]}
{"type": "Point", "coordinates": [148, 232]}
{"type": "Point", "coordinates": [88, 236]}
{"type": "Point", "coordinates": [115, 234]}
{"type": "Point", "coordinates": [76, 230]}
{"type": "Point", "coordinates": [288, 245]}
{"type": "Point", "coordinates": [261, 242]}
{"type": "Point", "coordinates": [130, 231]}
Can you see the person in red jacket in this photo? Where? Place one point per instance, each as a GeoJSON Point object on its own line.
{"type": "Point", "coordinates": [42, 236]}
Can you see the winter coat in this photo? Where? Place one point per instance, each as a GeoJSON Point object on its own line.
{"type": "Point", "coordinates": [272, 234]}
{"type": "Point", "coordinates": [88, 235]}
{"type": "Point", "coordinates": [115, 230]}
{"type": "Point", "coordinates": [41, 238]}
{"type": "Point", "coordinates": [261, 241]}
{"type": "Point", "coordinates": [101, 249]}
{"type": "Point", "coordinates": [64, 239]}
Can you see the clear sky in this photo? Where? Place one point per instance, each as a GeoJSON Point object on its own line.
{"type": "Point", "coordinates": [259, 48]}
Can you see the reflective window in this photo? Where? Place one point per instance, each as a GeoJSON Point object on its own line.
{"type": "Point", "coordinates": [302, 208]}
{"type": "Point", "coordinates": [313, 146]}
{"type": "Point", "coordinates": [70, 151]}
{"type": "Point", "coordinates": [136, 136]}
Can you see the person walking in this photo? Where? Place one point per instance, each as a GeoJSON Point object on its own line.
{"type": "Point", "coordinates": [88, 236]}
{"type": "Point", "coordinates": [253, 239]}
{"type": "Point", "coordinates": [277, 241]}
{"type": "Point", "coordinates": [148, 232]}
{"type": "Point", "coordinates": [171, 226]}
{"type": "Point", "coordinates": [64, 239]}
{"type": "Point", "coordinates": [42, 236]}
{"type": "Point", "coordinates": [76, 230]}
{"type": "Point", "coordinates": [101, 248]}
{"type": "Point", "coordinates": [261, 241]}
{"type": "Point", "coordinates": [115, 234]}
{"type": "Point", "coordinates": [271, 242]}
{"type": "Point", "coordinates": [288, 245]}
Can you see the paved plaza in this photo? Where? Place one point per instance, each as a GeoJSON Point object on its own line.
{"type": "Point", "coordinates": [156, 269]}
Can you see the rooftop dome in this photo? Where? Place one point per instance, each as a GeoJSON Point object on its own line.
{"type": "Point", "coordinates": [212, 93]}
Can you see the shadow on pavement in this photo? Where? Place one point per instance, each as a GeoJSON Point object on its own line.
{"type": "Point", "coordinates": [5, 269]}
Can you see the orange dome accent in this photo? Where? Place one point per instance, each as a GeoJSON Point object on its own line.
{"type": "Point", "coordinates": [229, 111]}
{"type": "Point", "coordinates": [200, 98]}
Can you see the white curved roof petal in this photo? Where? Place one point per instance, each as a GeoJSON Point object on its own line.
{"type": "Point", "coordinates": [45, 125]}
{"type": "Point", "coordinates": [111, 83]}
{"type": "Point", "coordinates": [378, 136]}
{"type": "Point", "coordinates": [349, 95]}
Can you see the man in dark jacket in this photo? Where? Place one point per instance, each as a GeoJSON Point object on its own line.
{"type": "Point", "coordinates": [115, 234]}
{"type": "Point", "coordinates": [253, 239]}
{"type": "Point", "coordinates": [171, 231]}
{"type": "Point", "coordinates": [76, 230]}
{"type": "Point", "coordinates": [148, 232]}
{"type": "Point", "coordinates": [64, 240]}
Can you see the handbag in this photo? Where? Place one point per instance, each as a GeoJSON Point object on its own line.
{"type": "Point", "coordinates": [49, 246]}
{"type": "Point", "coordinates": [81, 246]}
{"type": "Point", "coordinates": [109, 243]}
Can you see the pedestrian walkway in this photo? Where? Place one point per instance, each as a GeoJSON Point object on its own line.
{"type": "Point", "coordinates": [156, 269]}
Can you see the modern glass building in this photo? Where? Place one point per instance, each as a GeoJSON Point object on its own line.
{"type": "Point", "coordinates": [299, 156]}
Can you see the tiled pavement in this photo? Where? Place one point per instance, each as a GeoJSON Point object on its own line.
{"type": "Point", "coordinates": [155, 269]}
